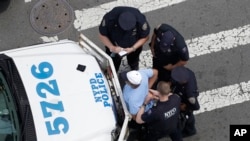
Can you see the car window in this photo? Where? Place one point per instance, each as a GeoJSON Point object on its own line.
{"type": "Point", "coordinates": [8, 115]}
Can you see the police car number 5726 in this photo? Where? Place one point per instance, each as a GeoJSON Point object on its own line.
{"type": "Point", "coordinates": [44, 71]}
{"type": "Point", "coordinates": [45, 99]}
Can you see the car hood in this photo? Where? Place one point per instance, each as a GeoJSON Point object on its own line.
{"type": "Point", "coordinates": [68, 93]}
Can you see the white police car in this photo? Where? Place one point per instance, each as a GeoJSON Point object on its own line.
{"type": "Point", "coordinates": [61, 91]}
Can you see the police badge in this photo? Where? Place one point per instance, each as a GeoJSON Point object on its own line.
{"type": "Point", "coordinates": [103, 22]}
{"type": "Point", "coordinates": [144, 26]}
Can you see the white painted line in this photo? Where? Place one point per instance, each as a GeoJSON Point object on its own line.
{"type": "Point", "coordinates": [220, 41]}
{"type": "Point", "coordinates": [209, 100]}
{"type": "Point", "coordinates": [221, 97]}
{"type": "Point", "coordinates": [209, 43]}
{"type": "Point", "coordinates": [88, 18]}
{"type": "Point", "coordinates": [225, 96]}
{"type": "Point", "coordinates": [91, 17]}
{"type": "Point", "coordinates": [49, 39]}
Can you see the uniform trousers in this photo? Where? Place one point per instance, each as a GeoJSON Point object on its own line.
{"type": "Point", "coordinates": [132, 58]}
{"type": "Point", "coordinates": [189, 126]}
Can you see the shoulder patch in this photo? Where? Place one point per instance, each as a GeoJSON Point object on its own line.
{"type": "Point", "coordinates": [145, 26]}
{"type": "Point", "coordinates": [103, 22]}
{"type": "Point", "coordinates": [184, 49]}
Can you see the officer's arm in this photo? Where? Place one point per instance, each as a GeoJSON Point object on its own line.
{"type": "Point", "coordinates": [152, 79]}
{"type": "Point", "coordinates": [183, 52]}
{"type": "Point", "coordinates": [139, 114]}
{"type": "Point", "coordinates": [192, 94]}
{"type": "Point", "coordinates": [143, 35]}
{"type": "Point", "coordinates": [105, 40]}
{"type": "Point", "coordinates": [141, 111]}
{"type": "Point", "coordinates": [172, 66]}
{"type": "Point", "coordinates": [152, 43]}
{"type": "Point", "coordinates": [180, 63]}
{"type": "Point", "coordinates": [137, 45]}
{"type": "Point", "coordinates": [140, 42]}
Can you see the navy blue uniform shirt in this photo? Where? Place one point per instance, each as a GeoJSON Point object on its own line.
{"type": "Point", "coordinates": [188, 90]}
{"type": "Point", "coordinates": [178, 50]}
{"type": "Point", "coordinates": [109, 27]}
{"type": "Point", "coordinates": [163, 118]}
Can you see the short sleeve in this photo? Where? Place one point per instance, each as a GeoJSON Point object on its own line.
{"type": "Point", "coordinates": [103, 27]}
{"type": "Point", "coordinates": [143, 29]}
{"type": "Point", "coordinates": [149, 116]}
{"type": "Point", "coordinates": [148, 72]}
{"type": "Point", "coordinates": [182, 48]}
{"type": "Point", "coordinates": [143, 26]}
{"type": "Point", "coordinates": [192, 88]}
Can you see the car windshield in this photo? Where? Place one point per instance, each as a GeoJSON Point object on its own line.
{"type": "Point", "coordinates": [9, 123]}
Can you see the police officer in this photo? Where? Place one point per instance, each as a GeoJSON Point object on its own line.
{"type": "Point", "coordinates": [169, 50]}
{"type": "Point", "coordinates": [184, 84]}
{"type": "Point", "coordinates": [124, 29]}
{"type": "Point", "coordinates": [162, 119]}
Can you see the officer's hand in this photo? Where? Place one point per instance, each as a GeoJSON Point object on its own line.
{"type": "Point", "coordinates": [168, 67]}
{"type": "Point", "coordinates": [129, 50]}
{"type": "Point", "coordinates": [183, 107]}
{"type": "Point", "coordinates": [116, 49]}
{"type": "Point", "coordinates": [154, 92]}
{"type": "Point", "coordinates": [150, 97]}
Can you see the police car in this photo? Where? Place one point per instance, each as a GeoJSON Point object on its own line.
{"type": "Point", "coordinates": [60, 91]}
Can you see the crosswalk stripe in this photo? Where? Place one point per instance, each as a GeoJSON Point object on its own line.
{"type": "Point", "coordinates": [220, 97]}
{"type": "Point", "coordinates": [209, 100]}
{"type": "Point", "coordinates": [220, 41]}
{"type": "Point", "coordinates": [225, 96]}
{"type": "Point", "coordinates": [209, 43]}
{"type": "Point", "coordinates": [91, 17]}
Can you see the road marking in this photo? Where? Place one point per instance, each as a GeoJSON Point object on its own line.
{"type": "Point", "coordinates": [91, 17]}
{"type": "Point", "coordinates": [47, 39]}
{"type": "Point", "coordinates": [220, 41]}
{"type": "Point", "coordinates": [216, 98]}
{"type": "Point", "coordinates": [225, 96]}
{"type": "Point", "coordinates": [209, 43]}
{"type": "Point", "coordinates": [221, 97]}
{"type": "Point", "coordinates": [209, 100]}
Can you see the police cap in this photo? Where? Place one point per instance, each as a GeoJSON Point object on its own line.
{"type": "Point", "coordinates": [180, 74]}
{"type": "Point", "coordinates": [167, 39]}
{"type": "Point", "coordinates": [127, 20]}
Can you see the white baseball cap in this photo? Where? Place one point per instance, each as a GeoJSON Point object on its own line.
{"type": "Point", "coordinates": [134, 77]}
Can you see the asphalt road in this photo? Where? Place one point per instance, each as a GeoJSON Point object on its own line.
{"type": "Point", "coordinates": [217, 32]}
